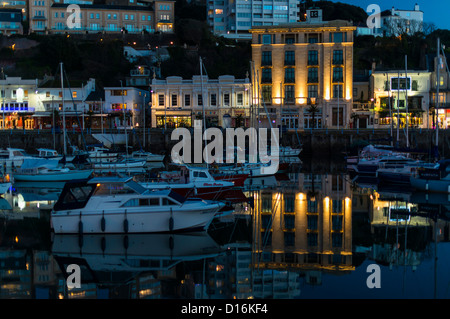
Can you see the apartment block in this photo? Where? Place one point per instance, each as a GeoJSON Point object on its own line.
{"type": "Point", "coordinates": [47, 16]}
{"type": "Point", "coordinates": [179, 102]}
{"type": "Point", "coordinates": [303, 73]}
{"type": "Point", "coordinates": [233, 19]}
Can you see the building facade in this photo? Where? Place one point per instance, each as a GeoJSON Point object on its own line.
{"type": "Point", "coordinates": [47, 16]}
{"type": "Point", "coordinates": [233, 19]}
{"type": "Point", "coordinates": [303, 73]}
{"type": "Point", "coordinates": [11, 21]}
{"type": "Point", "coordinates": [401, 97]}
{"type": "Point", "coordinates": [177, 102]}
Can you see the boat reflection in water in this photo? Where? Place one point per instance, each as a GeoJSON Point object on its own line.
{"type": "Point", "coordinates": [306, 235]}
{"type": "Point", "coordinates": [115, 259]}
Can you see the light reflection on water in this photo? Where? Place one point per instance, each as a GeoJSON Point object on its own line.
{"type": "Point", "coordinates": [308, 235]}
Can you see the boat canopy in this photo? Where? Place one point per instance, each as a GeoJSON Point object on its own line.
{"type": "Point", "coordinates": [39, 162]}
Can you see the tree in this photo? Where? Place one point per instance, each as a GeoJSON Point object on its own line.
{"type": "Point", "coordinates": [313, 109]}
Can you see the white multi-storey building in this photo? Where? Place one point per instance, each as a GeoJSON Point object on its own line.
{"type": "Point", "coordinates": [233, 19]}
{"type": "Point", "coordinates": [395, 22]}
{"type": "Point", "coordinates": [177, 102]}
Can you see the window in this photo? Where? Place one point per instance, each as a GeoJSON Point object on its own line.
{"type": "Point", "coordinates": [313, 75]}
{"type": "Point", "coordinates": [266, 204]}
{"type": "Point", "coordinates": [289, 58]}
{"type": "Point", "coordinates": [338, 75]}
{"type": "Point", "coordinates": [187, 100]}
{"type": "Point", "coordinates": [337, 208]}
{"type": "Point", "coordinates": [174, 100]}
{"type": "Point", "coordinates": [160, 99]}
{"type": "Point", "coordinates": [312, 91]}
{"type": "Point", "coordinates": [266, 76]}
{"type": "Point", "coordinates": [312, 206]}
{"type": "Point", "coordinates": [313, 38]}
{"type": "Point", "coordinates": [337, 91]}
{"type": "Point", "coordinates": [338, 57]}
{"type": "Point", "coordinates": [313, 57]}
{"type": "Point", "coordinates": [289, 39]}
{"type": "Point", "coordinates": [266, 92]}
{"type": "Point", "coordinates": [266, 58]}
{"type": "Point", "coordinates": [289, 204]}
{"type": "Point", "coordinates": [199, 100]}
{"type": "Point", "coordinates": [240, 99]}
{"type": "Point", "coordinates": [402, 82]}
{"type": "Point", "coordinates": [312, 221]}
{"type": "Point", "coordinates": [213, 100]}
{"type": "Point", "coordinates": [267, 39]}
{"type": "Point", "coordinates": [337, 113]}
{"type": "Point", "coordinates": [289, 94]}
{"type": "Point", "coordinates": [91, 16]}
{"type": "Point", "coordinates": [337, 37]}
{"type": "Point", "coordinates": [289, 75]}
{"type": "Point", "coordinates": [226, 99]}
{"type": "Point", "coordinates": [97, 15]}
{"type": "Point", "coordinates": [74, 94]}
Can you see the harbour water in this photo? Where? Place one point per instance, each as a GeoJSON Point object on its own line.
{"type": "Point", "coordinates": [311, 232]}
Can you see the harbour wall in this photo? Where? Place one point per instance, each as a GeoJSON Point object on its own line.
{"type": "Point", "coordinates": [320, 144]}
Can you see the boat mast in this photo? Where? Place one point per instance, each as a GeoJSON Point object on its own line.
{"type": "Point", "coordinates": [63, 108]}
{"type": "Point", "coordinates": [406, 99]}
{"type": "Point", "coordinates": [390, 110]}
{"type": "Point", "coordinates": [203, 108]}
{"type": "Point", "coordinates": [398, 107]}
{"type": "Point", "coordinates": [438, 66]}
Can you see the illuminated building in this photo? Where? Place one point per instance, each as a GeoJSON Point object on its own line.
{"type": "Point", "coordinates": [177, 102]}
{"type": "Point", "coordinates": [47, 16]}
{"type": "Point", "coordinates": [304, 72]}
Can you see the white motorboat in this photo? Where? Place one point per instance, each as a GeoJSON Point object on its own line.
{"type": "Point", "coordinates": [102, 155]}
{"type": "Point", "coordinates": [13, 157]}
{"type": "Point", "coordinates": [120, 164]}
{"type": "Point", "coordinates": [147, 156]}
{"type": "Point", "coordinates": [42, 170]}
{"type": "Point", "coordinates": [118, 205]}
{"type": "Point", "coordinates": [49, 153]}
{"type": "Point", "coordinates": [192, 181]}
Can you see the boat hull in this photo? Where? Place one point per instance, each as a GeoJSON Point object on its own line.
{"type": "Point", "coordinates": [59, 177]}
{"type": "Point", "coordinates": [129, 221]}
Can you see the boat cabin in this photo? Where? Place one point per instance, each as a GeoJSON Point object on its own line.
{"type": "Point", "coordinates": [188, 174]}
{"type": "Point", "coordinates": [47, 153]}
{"type": "Point", "coordinates": [76, 195]}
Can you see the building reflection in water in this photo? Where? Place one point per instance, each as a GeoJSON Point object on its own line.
{"type": "Point", "coordinates": [304, 224]}
{"type": "Point", "coordinates": [300, 227]}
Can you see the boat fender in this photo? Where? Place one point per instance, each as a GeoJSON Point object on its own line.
{"type": "Point", "coordinates": [171, 220]}
{"type": "Point", "coordinates": [103, 222]}
{"type": "Point", "coordinates": [80, 227]}
{"type": "Point", "coordinates": [125, 223]}
{"type": "Point", "coordinates": [171, 223]}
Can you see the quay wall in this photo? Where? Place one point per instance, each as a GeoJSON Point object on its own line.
{"type": "Point", "coordinates": [325, 144]}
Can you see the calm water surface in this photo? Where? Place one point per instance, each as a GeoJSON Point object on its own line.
{"type": "Point", "coordinates": [310, 233]}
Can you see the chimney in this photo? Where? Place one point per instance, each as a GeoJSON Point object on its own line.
{"type": "Point", "coordinates": [416, 7]}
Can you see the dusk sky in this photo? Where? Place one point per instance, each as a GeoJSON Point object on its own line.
{"type": "Point", "coordinates": [435, 11]}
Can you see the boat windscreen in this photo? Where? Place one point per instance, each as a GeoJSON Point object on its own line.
{"type": "Point", "coordinates": [177, 197]}
{"type": "Point", "coordinates": [138, 188]}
